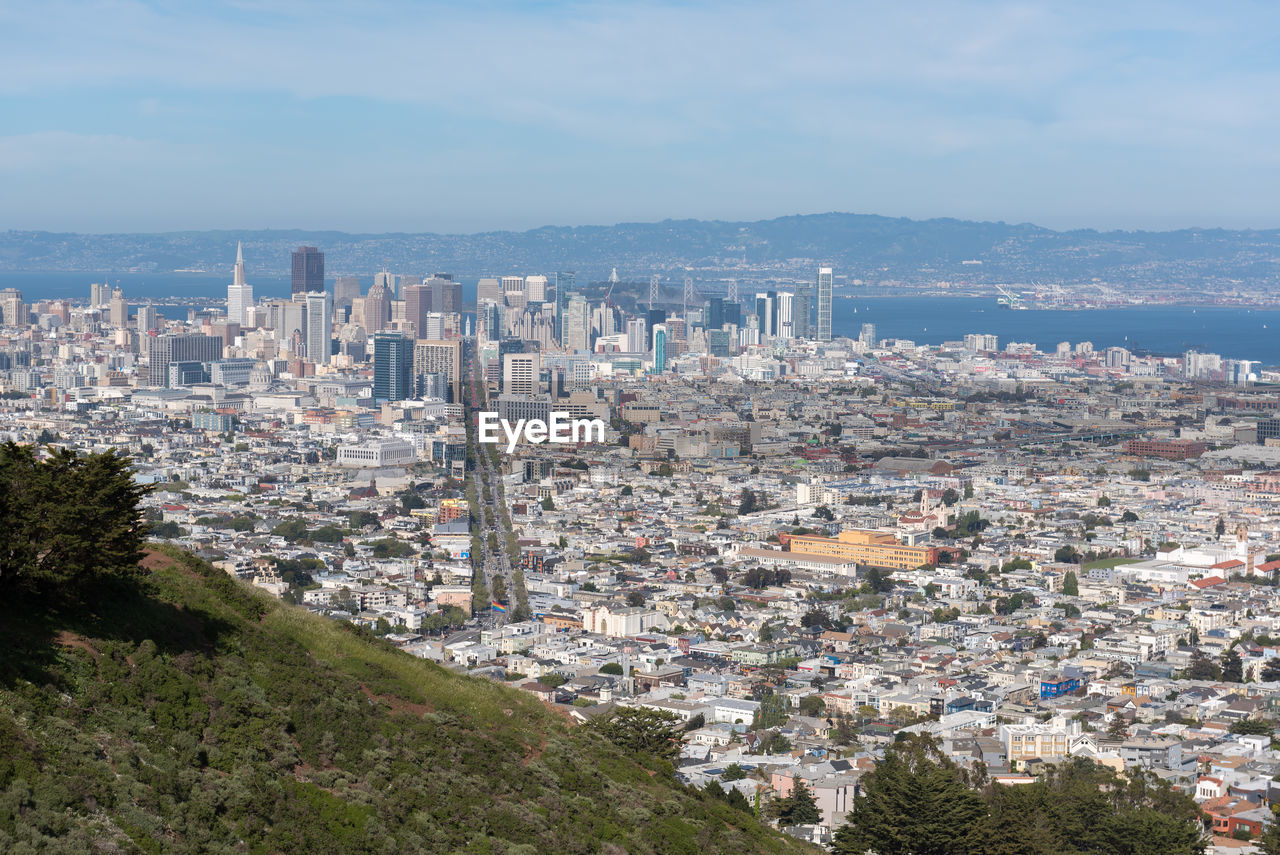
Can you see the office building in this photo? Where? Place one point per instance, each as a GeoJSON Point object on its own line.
{"type": "Point", "coordinates": [446, 295]}
{"type": "Point", "coordinates": [346, 290]}
{"type": "Point", "coordinates": [99, 294]}
{"type": "Point", "coordinates": [147, 318]}
{"type": "Point", "coordinates": [489, 289]}
{"type": "Point", "coordinates": [308, 271]}
{"type": "Point", "coordinates": [535, 288]}
{"type": "Point", "coordinates": [520, 373]}
{"type": "Point", "coordinates": [417, 305]}
{"type": "Point", "coordinates": [824, 304]}
{"type": "Point", "coordinates": [392, 367]}
{"type": "Point", "coordinates": [784, 308]}
{"type": "Point", "coordinates": [637, 341]}
{"type": "Point", "coordinates": [868, 335]}
{"type": "Point", "coordinates": [239, 292]}
{"type": "Point", "coordinates": [440, 358]}
{"type": "Point", "coordinates": [319, 328]}
{"type": "Point", "coordinates": [174, 347]}
{"type": "Point", "coordinates": [577, 324]}
{"type": "Point", "coordinates": [979, 342]}
{"type": "Point", "coordinates": [119, 309]}
{"type": "Point", "coordinates": [13, 311]}
{"type": "Point", "coordinates": [659, 348]}
{"type": "Point", "coordinates": [802, 312]}
{"type": "Point", "coordinates": [488, 321]}
{"type": "Point", "coordinates": [766, 312]}
{"type": "Point", "coordinates": [377, 308]}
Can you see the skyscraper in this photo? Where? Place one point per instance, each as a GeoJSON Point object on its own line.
{"type": "Point", "coordinates": [99, 294]}
{"type": "Point", "coordinates": [802, 311]}
{"type": "Point", "coordinates": [119, 309]}
{"type": "Point", "coordinates": [577, 324]}
{"type": "Point", "coordinates": [417, 304]}
{"type": "Point", "coordinates": [146, 318]}
{"type": "Point", "coordinates": [520, 373]}
{"type": "Point", "coordinates": [239, 293]}
{"type": "Point", "coordinates": [784, 309]}
{"type": "Point", "coordinates": [346, 289]}
{"type": "Point", "coordinates": [824, 304]}
{"type": "Point", "coordinates": [868, 336]}
{"type": "Point", "coordinates": [319, 328]}
{"type": "Point", "coordinates": [443, 358]}
{"type": "Point", "coordinates": [377, 308]}
{"type": "Point", "coordinates": [659, 348]}
{"type": "Point", "coordinates": [179, 348]}
{"type": "Point", "coordinates": [392, 367]}
{"type": "Point", "coordinates": [446, 295]}
{"type": "Point", "coordinates": [308, 270]}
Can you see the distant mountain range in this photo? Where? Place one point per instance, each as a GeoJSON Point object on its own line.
{"type": "Point", "coordinates": [859, 246]}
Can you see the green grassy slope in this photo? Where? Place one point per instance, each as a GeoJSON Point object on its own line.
{"type": "Point", "coordinates": [197, 715]}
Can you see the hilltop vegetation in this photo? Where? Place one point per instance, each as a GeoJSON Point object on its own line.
{"type": "Point", "coordinates": [192, 714]}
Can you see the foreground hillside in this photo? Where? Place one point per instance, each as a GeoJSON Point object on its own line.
{"type": "Point", "coordinates": [192, 714]}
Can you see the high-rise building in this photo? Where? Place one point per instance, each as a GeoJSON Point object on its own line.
{"type": "Point", "coordinates": [308, 270]}
{"type": "Point", "coordinates": [488, 321]}
{"type": "Point", "coordinates": [146, 318]}
{"type": "Point", "coordinates": [802, 312]}
{"type": "Point", "coordinates": [386, 280]}
{"type": "Point", "coordinates": [980, 342]}
{"type": "Point", "coordinates": [99, 294]}
{"type": "Point", "coordinates": [659, 348]}
{"type": "Point", "coordinates": [377, 308]}
{"type": "Point", "coordinates": [785, 312]}
{"type": "Point", "coordinates": [652, 318]}
{"type": "Point", "coordinates": [824, 304]}
{"type": "Point", "coordinates": [179, 348]}
{"type": "Point", "coordinates": [868, 336]}
{"type": "Point", "coordinates": [577, 324]}
{"type": "Point", "coordinates": [489, 289]}
{"type": "Point", "coordinates": [446, 295]}
{"type": "Point", "coordinates": [119, 309]}
{"type": "Point", "coordinates": [319, 328]}
{"type": "Point", "coordinates": [239, 292]}
{"type": "Point", "coordinates": [714, 318]}
{"type": "Point", "coordinates": [346, 289]}
{"type": "Point", "coordinates": [442, 358]}
{"type": "Point", "coordinates": [392, 367]}
{"type": "Point", "coordinates": [520, 373]}
{"type": "Point", "coordinates": [637, 341]}
{"type": "Point", "coordinates": [13, 312]}
{"type": "Point", "coordinates": [535, 288]}
{"type": "Point", "coordinates": [767, 312]}
{"type": "Point", "coordinates": [417, 304]}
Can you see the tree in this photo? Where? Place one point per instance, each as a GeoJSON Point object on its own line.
{"type": "Point", "coordinates": [914, 803]}
{"type": "Point", "coordinates": [611, 668]}
{"type": "Point", "coordinates": [748, 502]}
{"type": "Point", "coordinates": [733, 772]}
{"type": "Point", "coordinates": [799, 808]}
{"type": "Point", "coordinates": [1070, 584]}
{"type": "Point", "coordinates": [72, 522]}
{"type": "Point", "coordinates": [812, 705]}
{"type": "Point", "coordinates": [635, 598]}
{"type": "Point", "coordinates": [772, 712]}
{"type": "Point", "coordinates": [553, 679]}
{"type": "Point", "coordinates": [1104, 502]}
{"type": "Point", "coordinates": [655, 733]}
{"type": "Point", "coordinates": [1066, 554]}
{"type": "Point", "coordinates": [1128, 517]}
{"type": "Point", "coordinates": [548, 505]}
{"type": "Point", "coordinates": [1232, 668]}
{"type": "Point", "coordinates": [1118, 728]}
{"type": "Point", "coordinates": [950, 497]}
{"type": "Point", "coordinates": [1252, 727]}
{"type": "Point", "coordinates": [1271, 670]}
{"type": "Point", "coordinates": [1203, 668]}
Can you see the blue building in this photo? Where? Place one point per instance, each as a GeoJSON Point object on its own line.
{"type": "Point", "coordinates": [1057, 686]}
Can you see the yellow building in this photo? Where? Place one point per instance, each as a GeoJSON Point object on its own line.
{"type": "Point", "coordinates": [872, 548]}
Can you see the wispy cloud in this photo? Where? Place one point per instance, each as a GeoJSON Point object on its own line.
{"type": "Point", "coordinates": [794, 88]}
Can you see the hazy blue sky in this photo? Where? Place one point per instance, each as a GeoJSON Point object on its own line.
{"type": "Point", "coordinates": [387, 116]}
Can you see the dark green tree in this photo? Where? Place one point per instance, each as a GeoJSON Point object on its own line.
{"type": "Point", "coordinates": [799, 808]}
{"type": "Point", "coordinates": [1070, 584]}
{"type": "Point", "coordinates": [914, 803]}
{"type": "Point", "coordinates": [1232, 667]}
{"type": "Point", "coordinates": [655, 733]}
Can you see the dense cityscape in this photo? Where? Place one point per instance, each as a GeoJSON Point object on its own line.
{"type": "Point", "coordinates": [801, 549]}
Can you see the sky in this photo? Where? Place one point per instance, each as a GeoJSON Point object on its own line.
{"type": "Point", "coordinates": [378, 116]}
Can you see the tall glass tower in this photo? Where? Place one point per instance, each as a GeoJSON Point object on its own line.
{"type": "Point", "coordinates": [824, 304]}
